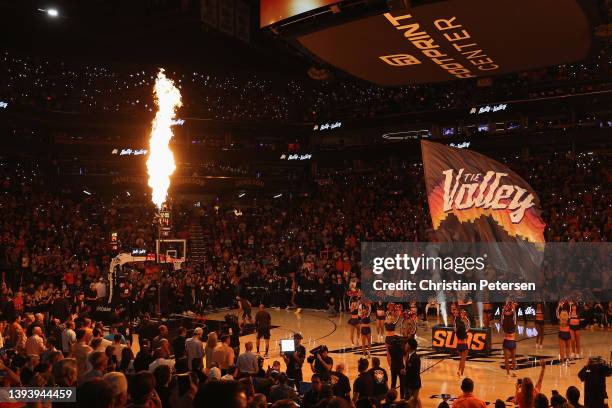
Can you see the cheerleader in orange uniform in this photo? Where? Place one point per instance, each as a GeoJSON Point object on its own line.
{"type": "Point", "coordinates": [539, 322]}
{"type": "Point", "coordinates": [564, 330]}
{"type": "Point", "coordinates": [574, 325]}
{"type": "Point", "coordinates": [508, 321]}
{"type": "Point", "coordinates": [364, 329]}
{"type": "Point", "coordinates": [462, 327]}
{"type": "Point", "coordinates": [354, 320]}
{"type": "Point", "coordinates": [380, 320]}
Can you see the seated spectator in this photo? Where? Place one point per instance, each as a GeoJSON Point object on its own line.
{"type": "Point", "coordinates": [317, 393]}
{"type": "Point", "coordinates": [227, 394]}
{"type": "Point", "coordinates": [467, 399]}
{"type": "Point", "coordinates": [526, 391]}
{"type": "Point", "coordinates": [573, 396]}
{"type": "Point", "coordinates": [282, 391]}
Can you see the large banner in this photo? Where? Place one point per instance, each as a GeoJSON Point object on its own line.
{"type": "Point", "coordinates": [473, 198]}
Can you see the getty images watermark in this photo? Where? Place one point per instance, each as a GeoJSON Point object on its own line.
{"type": "Point", "coordinates": [492, 272]}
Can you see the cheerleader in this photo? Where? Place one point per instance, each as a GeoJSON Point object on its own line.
{"type": "Point", "coordinates": [564, 330]}
{"type": "Point", "coordinates": [508, 321]}
{"type": "Point", "coordinates": [380, 320]}
{"type": "Point", "coordinates": [364, 329]}
{"type": "Point", "coordinates": [354, 320]}
{"type": "Point", "coordinates": [462, 327]}
{"type": "Point", "coordinates": [539, 322]}
{"type": "Point", "coordinates": [574, 325]}
{"type": "Point", "coordinates": [408, 326]}
{"type": "Point", "coordinates": [391, 320]}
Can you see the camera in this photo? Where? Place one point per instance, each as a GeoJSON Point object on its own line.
{"type": "Point", "coordinates": [314, 352]}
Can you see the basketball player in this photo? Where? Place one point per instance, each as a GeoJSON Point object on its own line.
{"type": "Point", "coordinates": [564, 330]}
{"type": "Point", "coordinates": [354, 320]}
{"type": "Point", "coordinates": [574, 325]}
{"type": "Point", "coordinates": [462, 327]}
{"type": "Point", "coordinates": [508, 320]}
{"type": "Point", "coordinates": [539, 322]}
{"type": "Point", "coordinates": [380, 320]}
{"type": "Point", "coordinates": [364, 330]}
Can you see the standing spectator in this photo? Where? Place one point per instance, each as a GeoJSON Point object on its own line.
{"type": "Point", "coordinates": [163, 375]}
{"type": "Point", "coordinates": [381, 380]}
{"type": "Point", "coordinates": [98, 362]}
{"type": "Point", "coordinates": [211, 343]}
{"type": "Point", "coordinates": [118, 348]}
{"type": "Point", "coordinates": [247, 361]}
{"type": "Point", "coordinates": [119, 385]}
{"type": "Point", "coordinates": [263, 322]}
{"type": "Point", "coordinates": [68, 338]}
{"type": "Point", "coordinates": [341, 386]}
{"type": "Point", "coordinates": [142, 390]}
{"type": "Point", "coordinates": [178, 344]}
{"type": "Point", "coordinates": [294, 361]}
{"type": "Point", "coordinates": [223, 354]}
{"type": "Point", "coordinates": [593, 375]}
{"type": "Point", "coordinates": [412, 372]}
{"type": "Point", "coordinates": [144, 357]}
{"type": "Point", "coordinates": [194, 350]}
{"type": "Point", "coordinates": [97, 334]}
{"type": "Point", "coordinates": [80, 351]}
{"type": "Point", "coordinates": [467, 399]}
{"type": "Point", "coordinates": [65, 372]}
{"type": "Point", "coordinates": [162, 335]}
{"type": "Point", "coordinates": [363, 386]}
{"type": "Point", "coordinates": [35, 343]}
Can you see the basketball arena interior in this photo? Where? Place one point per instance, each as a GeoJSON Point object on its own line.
{"type": "Point", "coordinates": [305, 203]}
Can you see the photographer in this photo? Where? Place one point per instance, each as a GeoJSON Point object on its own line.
{"type": "Point", "coordinates": [594, 377]}
{"type": "Point", "coordinates": [294, 361]}
{"type": "Point", "coordinates": [321, 363]}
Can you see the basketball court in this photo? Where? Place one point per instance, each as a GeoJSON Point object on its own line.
{"type": "Point", "coordinates": [439, 369]}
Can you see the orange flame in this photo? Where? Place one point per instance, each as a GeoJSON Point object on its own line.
{"type": "Point", "coordinates": [160, 164]}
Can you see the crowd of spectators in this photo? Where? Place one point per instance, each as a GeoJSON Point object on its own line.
{"type": "Point", "coordinates": [55, 249]}
{"type": "Point", "coordinates": [62, 86]}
